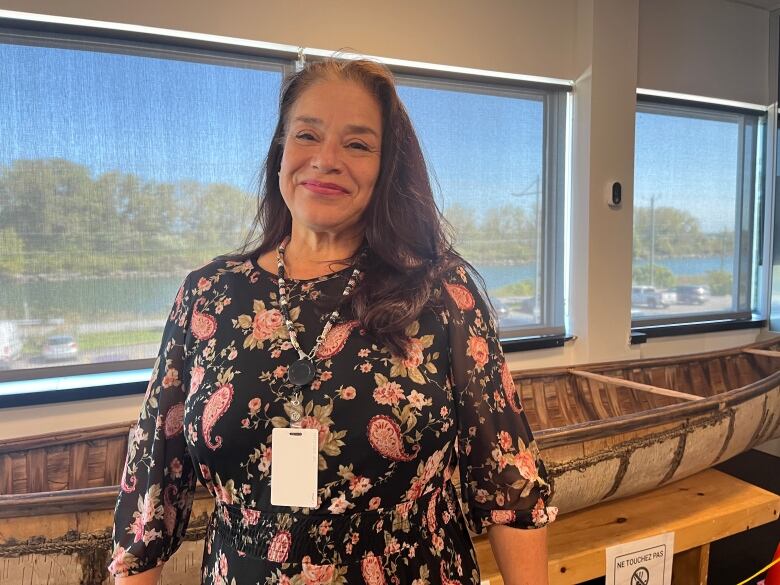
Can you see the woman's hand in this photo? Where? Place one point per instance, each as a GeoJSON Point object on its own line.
{"type": "Point", "coordinates": [521, 554]}
{"type": "Point", "coordinates": [150, 577]}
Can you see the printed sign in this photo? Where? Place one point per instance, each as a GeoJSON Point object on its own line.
{"type": "Point", "coordinates": [641, 562]}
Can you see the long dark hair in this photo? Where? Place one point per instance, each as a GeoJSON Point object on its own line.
{"type": "Point", "coordinates": [408, 240]}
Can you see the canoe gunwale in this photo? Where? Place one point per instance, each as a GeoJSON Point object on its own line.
{"type": "Point", "coordinates": [60, 439]}
{"type": "Point", "coordinates": [88, 543]}
{"type": "Point", "coordinates": [644, 362]}
{"type": "Point", "coordinates": [670, 413]}
{"type": "Point", "coordinates": [68, 501]}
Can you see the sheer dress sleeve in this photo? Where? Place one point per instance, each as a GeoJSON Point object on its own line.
{"type": "Point", "coordinates": [158, 482]}
{"type": "Point", "coordinates": [503, 479]}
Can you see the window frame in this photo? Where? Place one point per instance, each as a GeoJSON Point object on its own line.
{"type": "Point", "coordinates": [749, 224]}
{"type": "Point", "coordinates": [550, 247]}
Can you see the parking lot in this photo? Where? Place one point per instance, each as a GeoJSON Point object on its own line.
{"type": "Point", "coordinates": [511, 317]}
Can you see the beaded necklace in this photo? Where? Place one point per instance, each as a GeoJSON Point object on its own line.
{"type": "Point", "coordinates": [302, 371]}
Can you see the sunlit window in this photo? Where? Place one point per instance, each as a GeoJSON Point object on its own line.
{"type": "Point", "coordinates": [492, 151]}
{"type": "Point", "coordinates": [697, 186]}
{"type": "Point", "coordinates": [121, 169]}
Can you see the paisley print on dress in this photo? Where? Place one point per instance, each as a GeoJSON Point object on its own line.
{"type": "Point", "coordinates": [385, 437]}
{"type": "Point", "coordinates": [125, 486]}
{"type": "Point", "coordinates": [174, 420]}
{"type": "Point", "coordinates": [371, 567]}
{"type": "Point", "coordinates": [196, 377]}
{"type": "Point", "coordinates": [169, 510]}
{"type": "Point", "coordinates": [445, 580]}
{"type": "Point", "coordinates": [508, 384]}
{"type": "Point", "coordinates": [316, 574]}
{"type": "Point", "coordinates": [203, 325]}
{"type": "Point", "coordinates": [430, 515]}
{"type": "Point", "coordinates": [461, 295]}
{"type": "Point", "coordinates": [216, 406]}
{"type": "Point", "coordinates": [177, 303]}
{"type": "Point", "coordinates": [279, 547]}
{"type": "Point", "coordinates": [336, 339]}
{"type": "Point", "coordinates": [502, 516]}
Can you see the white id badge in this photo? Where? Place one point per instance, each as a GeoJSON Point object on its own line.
{"type": "Point", "coordinates": [294, 465]}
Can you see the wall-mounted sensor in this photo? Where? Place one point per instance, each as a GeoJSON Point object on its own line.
{"type": "Point", "coordinates": [615, 195]}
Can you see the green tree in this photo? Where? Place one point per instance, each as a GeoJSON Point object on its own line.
{"type": "Point", "coordinates": [662, 277]}
{"type": "Point", "coordinates": [215, 217]}
{"type": "Point", "coordinates": [462, 221]}
{"type": "Point", "coordinates": [524, 288]}
{"type": "Point", "coordinates": [11, 252]}
{"type": "Point", "coordinates": [675, 232]}
{"type": "Point", "coordinates": [54, 206]}
{"type": "Point", "coordinates": [504, 233]}
{"type": "Point", "coordinates": [720, 282]}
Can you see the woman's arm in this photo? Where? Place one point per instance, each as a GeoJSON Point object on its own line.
{"type": "Point", "coordinates": [158, 480]}
{"type": "Point", "coordinates": [521, 554]}
{"type": "Point", "coordinates": [150, 577]}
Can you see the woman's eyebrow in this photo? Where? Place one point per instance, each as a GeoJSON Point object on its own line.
{"type": "Point", "coordinates": [350, 128]}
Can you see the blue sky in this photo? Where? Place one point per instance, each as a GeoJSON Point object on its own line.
{"type": "Point", "coordinates": [179, 120]}
{"type": "Point", "coordinates": [689, 164]}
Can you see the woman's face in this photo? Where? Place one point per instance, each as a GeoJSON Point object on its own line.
{"type": "Point", "coordinates": [331, 156]}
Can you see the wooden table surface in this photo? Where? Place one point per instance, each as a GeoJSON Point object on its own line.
{"type": "Point", "coordinates": [700, 509]}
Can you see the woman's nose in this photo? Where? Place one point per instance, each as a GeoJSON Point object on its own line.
{"type": "Point", "coordinates": [327, 158]}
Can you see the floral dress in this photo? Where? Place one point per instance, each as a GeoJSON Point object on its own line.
{"type": "Point", "coordinates": [391, 433]}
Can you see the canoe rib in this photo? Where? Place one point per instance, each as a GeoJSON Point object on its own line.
{"type": "Point", "coordinates": [764, 352]}
{"type": "Point", "coordinates": [635, 385]}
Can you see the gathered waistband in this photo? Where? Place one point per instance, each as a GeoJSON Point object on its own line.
{"type": "Point", "coordinates": [327, 538]}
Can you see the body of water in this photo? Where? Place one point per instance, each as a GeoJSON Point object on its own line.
{"type": "Point", "coordinates": [99, 299]}
{"type": "Point", "coordinates": [498, 276]}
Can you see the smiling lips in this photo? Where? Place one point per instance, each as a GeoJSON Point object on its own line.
{"type": "Point", "coordinates": [324, 188]}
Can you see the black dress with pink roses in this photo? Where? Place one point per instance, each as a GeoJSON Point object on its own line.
{"type": "Point", "coordinates": [392, 432]}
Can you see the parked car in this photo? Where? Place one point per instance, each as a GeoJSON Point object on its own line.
{"type": "Point", "coordinates": [10, 343]}
{"type": "Point", "coordinates": [500, 308]}
{"type": "Point", "coordinates": [691, 294]}
{"type": "Point", "coordinates": [649, 296]}
{"type": "Point", "coordinates": [60, 347]}
{"type": "Point", "coordinates": [528, 305]}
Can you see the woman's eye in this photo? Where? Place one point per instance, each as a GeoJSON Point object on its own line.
{"type": "Point", "coordinates": [357, 145]}
{"type": "Point", "coordinates": [305, 136]}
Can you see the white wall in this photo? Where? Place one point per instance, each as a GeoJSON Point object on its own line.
{"type": "Point", "coordinates": [609, 47]}
{"type": "Point", "coordinates": [705, 47]}
{"type": "Point", "coordinates": [535, 37]}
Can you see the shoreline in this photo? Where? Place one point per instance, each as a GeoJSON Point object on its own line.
{"type": "Point", "coordinates": [127, 274]}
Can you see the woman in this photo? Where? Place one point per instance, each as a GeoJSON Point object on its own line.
{"type": "Point", "coordinates": [353, 326]}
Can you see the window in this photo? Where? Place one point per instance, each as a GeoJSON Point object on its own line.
{"type": "Point", "coordinates": [774, 252]}
{"type": "Point", "coordinates": [110, 144]}
{"type": "Point", "coordinates": [496, 153]}
{"type": "Point", "coordinates": [698, 183]}
{"type": "Point", "coordinates": [121, 165]}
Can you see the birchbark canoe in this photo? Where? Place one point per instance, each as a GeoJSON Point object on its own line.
{"type": "Point", "coordinates": [605, 431]}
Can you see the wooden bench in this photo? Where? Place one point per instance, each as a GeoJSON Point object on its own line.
{"type": "Point", "coordinates": [699, 510]}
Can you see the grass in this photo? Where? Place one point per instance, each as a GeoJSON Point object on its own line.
{"type": "Point", "coordinates": [516, 289]}
{"type": "Point", "coordinates": [88, 341]}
